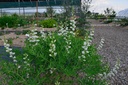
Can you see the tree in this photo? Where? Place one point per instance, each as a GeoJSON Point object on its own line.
{"type": "Point", "coordinates": [110, 13]}
{"type": "Point", "coordinates": [83, 12]}
{"type": "Point", "coordinates": [50, 12]}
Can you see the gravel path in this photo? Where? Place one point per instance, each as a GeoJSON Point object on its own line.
{"type": "Point", "coordinates": [115, 46]}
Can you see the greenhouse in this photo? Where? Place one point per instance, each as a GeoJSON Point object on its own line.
{"type": "Point", "coordinates": [32, 6]}
{"type": "Point", "coordinates": [33, 3]}
{"type": "Point", "coordinates": [123, 14]}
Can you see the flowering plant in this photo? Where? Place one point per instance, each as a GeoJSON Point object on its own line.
{"type": "Point", "coordinates": [55, 58]}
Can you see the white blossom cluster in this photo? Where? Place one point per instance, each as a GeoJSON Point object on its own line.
{"type": "Point", "coordinates": [11, 54]}
{"type": "Point", "coordinates": [43, 35]}
{"type": "Point", "coordinates": [52, 45]}
{"type": "Point", "coordinates": [27, 65]}
{"type": "Point", "coordinates": [90, 37]}
{"type": "Point", "coordinates": [52, 70]}
{"type": "Point", "coordinates": [57, 83]}
{"type": "Point", "coordinates": [112, 73]}
{"type": "Point", "coordinates": [86, 44]}
{"type": "Point", "coordinates": [101, 44]}
{"type": "Point", "coordinates": [68, 43]}
{"type": "Point", "coordinates": [85, 50]}
{"type": "Point", "coordinates": [73, 25]}
{"type": "Point", "coordinates": [32, 37]}
{"type": "Point", "coordinates": [63, 30]}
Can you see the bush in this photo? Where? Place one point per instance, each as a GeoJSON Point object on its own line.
{"type": "Point", "coordinates": [8, 21]}
{"type": "Point", "coordinates": [49, 61]}
{"type": "Point", "coordinates": [108, 21]}
{"type": "Point", "coordinates": [124, 22]}
{"type": "Point", "coordinates": [55, 58]}
{"type": "Point", "coordinates": [49, 23]}
{"type": "Point", "coordinates": [12, 21]}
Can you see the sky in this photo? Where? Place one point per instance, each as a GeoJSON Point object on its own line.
{"type": "Point", "coordinates": [101, 5]}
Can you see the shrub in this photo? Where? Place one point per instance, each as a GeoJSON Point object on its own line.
{"type": "Point", "coordinates": [49, 23]}
{"type": "Point", "coordinates": [7, 21]}
{"type": "Point", "coordinates": [22, 21]}
{"type": "Point", "coordinates": [124, 22]}
{"type": "Point", "coordinates": [25, 32]}
{"type": "Point", "coordinates": [12, 21]}
{"type": "Point", "coordinates": [55, 58]}
{"type": "Point", "coordinates": [108, 21]}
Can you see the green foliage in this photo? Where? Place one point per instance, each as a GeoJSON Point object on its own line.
{"type": "Point", "coordinates": [22, 21]}
{"type": "Point", "coordinates": [101, 16]}
{"type": "Point", "coordinates": [81, 32]}
{"type": "Point", "coordinates": [18, 33]}
{"type": "Point", "coordinates": [107, 21]}
{"type": "Point", "coordinates": [50, 12]}
{"type": "Point", "coordinates": [10, 41]}
{"type": "Point", "coordinates": [47, 69]}
{"type": "Point", "coordinates": [12, 21]}
{"type": "Point", "coordinates": [7, 21]}
{"type": "Point", "coordinates": [82, 23]}
{"type": "Point", "coordinates": [25, 32]}
{"type": "Point", "coordinates": [49, 23]}
{"type": "Point", "coordinates": [110, 12]}
{"type": "Point", "coordinates": [124, 22]}
{"type": "Point", "coordinates": [1, 33]}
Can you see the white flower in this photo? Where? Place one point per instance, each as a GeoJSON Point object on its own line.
{"type": "Point", "coordinates": [14, 57]}
{"type": "Point", "coordinates": [50, 55]}
{"type": "Point", "coordinates": [51, 71]}
{"type": "Point", "coordinates": [35, 24]}
{"type": "Point", "coordinates": [79, 57]}
{"type": "Point", "coordinates": [57, 83]}
{"type": "Point", "coordinates": [83, 56]}
{"type": "Point", "coordinates": [101, 43]}
{"type": "Point", "coordinates": [27, 75]}
{"type": "Point", "coordinates": [15, 61]}
{"type": "Point", "coordinates": [10, 56]}
{"type": "Point", "coordinates": [55, 54]}
{"type": "Point", "coordinates": [27, 35]}
{"type": "Point", "coordinates": [12, 53]}
{"type": "Point", "coordinates": [19, 67]}
{"type": "Point", "coordinates": [25, 61]}
{"type": "Point", "coordinates": [69, 46]}
{"type": "Point", "coordinates": [83, 52]}
{"type": "Point", "coordinates": [24, 58]}
{"type": "Point", "coordinates": [84, 60]}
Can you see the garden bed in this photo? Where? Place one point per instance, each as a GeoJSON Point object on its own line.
{"type": "Point", "coordinates": [18, 36]}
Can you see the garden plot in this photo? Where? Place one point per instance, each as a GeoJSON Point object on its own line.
{"type": "Point", "coordinates": [18, 36]}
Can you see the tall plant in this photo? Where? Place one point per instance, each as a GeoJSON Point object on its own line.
{"type": "Point", "coordinates": [83, 12]}
{"type": "Point", "coordinates": [110, 13]}
{"type": "Point", "coordinates": [55, 59]}
{"type": "Point", "coordinates": [50, 12]}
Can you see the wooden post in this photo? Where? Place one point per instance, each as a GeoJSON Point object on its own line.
{"type": "Point", "coordinates": [1, 12]}
{"type": "Point", "coordinates": [37, 10]}
{"type": "Point", "coordinates": [19, 6]}
{"type": "Point", "coordinates": [24, 12]}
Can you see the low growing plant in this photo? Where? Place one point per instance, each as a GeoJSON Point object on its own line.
{"type": "Point", "coordinates": [49, 23]}
{"type": "Point", "coordinates": [124, 22]}
{"type": "Point", "coordinates": [7, 21]}
{"type": "Point", "coordinates": [12, 21]}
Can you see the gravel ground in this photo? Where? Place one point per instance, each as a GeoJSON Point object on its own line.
{"type": "Point", "coordinates": [115, 46]}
